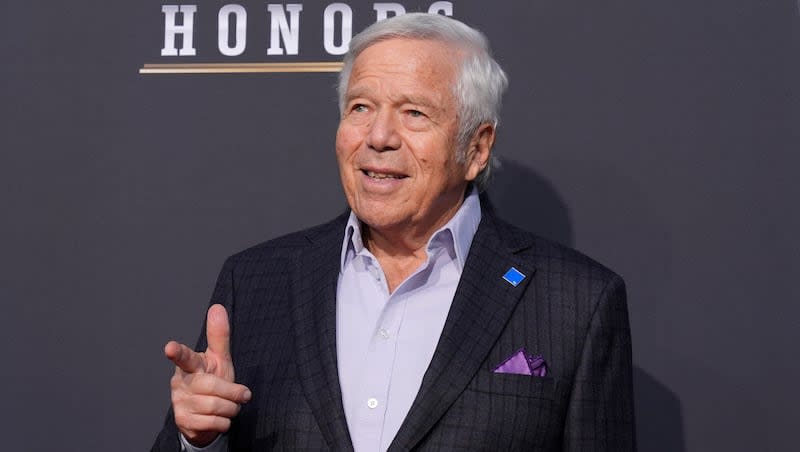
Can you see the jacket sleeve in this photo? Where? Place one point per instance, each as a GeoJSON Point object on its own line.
{"type": "Point", "coordinates": [168, 439]}
{"type": "Point", "coordinates": [600, 414]}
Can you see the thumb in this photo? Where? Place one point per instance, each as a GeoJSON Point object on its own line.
{"type": "Point", "coordinates": [218, 332]}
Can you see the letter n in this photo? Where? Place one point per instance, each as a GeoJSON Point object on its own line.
{"type": "Point", "coordinates": [281, 30]}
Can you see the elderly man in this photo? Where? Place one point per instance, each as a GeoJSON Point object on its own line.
{"type": "Point", "coordinates": [417, 320]}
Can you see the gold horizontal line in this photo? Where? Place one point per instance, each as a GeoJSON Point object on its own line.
{"type": "Point", "coordinates": [222, 68]}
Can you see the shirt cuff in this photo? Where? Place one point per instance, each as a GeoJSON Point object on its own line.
{"type": "Point", "coordinates": [220, 444]}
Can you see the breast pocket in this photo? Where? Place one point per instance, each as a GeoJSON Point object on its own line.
{"type": "Point", "coordinates": [504, 412]}
{"type": "Point", "coordinates": [544, 388]}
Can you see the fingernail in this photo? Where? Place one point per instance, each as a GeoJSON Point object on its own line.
{"type": "Point", "coordinates": [247, 394]}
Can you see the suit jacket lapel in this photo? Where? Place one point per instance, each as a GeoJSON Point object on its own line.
{"type": "Point", "coordinates": [315, 278]}
{"type": "Point", "coordinates": [481, 307]}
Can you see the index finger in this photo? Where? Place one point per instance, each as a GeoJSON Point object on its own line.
{"type": "Point", "coordinates": [184, 357]}
{"type": "Point", "coordinates": [218, 331]}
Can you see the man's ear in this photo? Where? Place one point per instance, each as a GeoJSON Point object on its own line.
{"type": "Point", "coordinates": [479, 150]}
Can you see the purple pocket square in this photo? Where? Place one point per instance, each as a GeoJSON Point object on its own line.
{"type": "Point", "coordinates": [523, 363]}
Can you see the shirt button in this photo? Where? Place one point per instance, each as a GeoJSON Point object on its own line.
{"type": "Point", "coordinates": [372, 402]}
{"type": "Point", "coordinates": [384, 334]}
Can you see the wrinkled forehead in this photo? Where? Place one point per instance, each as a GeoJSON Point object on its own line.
{"type": "Point", "coordinates": [448, 47]}
{"type": "Point", "coordinates": [432, 59]}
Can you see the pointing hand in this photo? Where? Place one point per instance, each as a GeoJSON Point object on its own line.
{"type": "Point", "coordinates": [204, 395]}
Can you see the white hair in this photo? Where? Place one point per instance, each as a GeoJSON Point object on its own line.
{"type": "Point", "coordinates": [480, 82]}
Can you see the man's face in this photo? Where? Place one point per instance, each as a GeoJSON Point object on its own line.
{"type": "Point", "coordinates": [397, 139]}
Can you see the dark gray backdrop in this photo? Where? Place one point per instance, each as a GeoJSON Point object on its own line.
{"type": "Point", "coordinates": [659, 137]}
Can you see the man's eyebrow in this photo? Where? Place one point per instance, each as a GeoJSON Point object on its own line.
{"type": "Point", "coordinates": [353, 93]}
{"type": "Point", "coordinates": [422, 101]}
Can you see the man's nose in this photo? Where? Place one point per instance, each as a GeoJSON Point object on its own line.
{"type": "Point", "coordinates": [383, 134]}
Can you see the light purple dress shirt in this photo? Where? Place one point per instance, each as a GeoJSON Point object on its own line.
{"type": "Point", "coordinates": [385, 342]}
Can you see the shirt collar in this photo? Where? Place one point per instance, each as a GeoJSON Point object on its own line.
{"type": "Point", "coordinates": [457, 233]}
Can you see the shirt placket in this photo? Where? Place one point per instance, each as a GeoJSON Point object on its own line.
{"type": "Point", "coordinates": [380, 357]}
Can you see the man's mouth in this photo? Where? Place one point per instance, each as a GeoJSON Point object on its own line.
{"type": "Point", "coordinates": [377, 175]}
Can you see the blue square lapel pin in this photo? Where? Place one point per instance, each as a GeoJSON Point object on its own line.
{"type": "Point", "coordinates": [514, 276]}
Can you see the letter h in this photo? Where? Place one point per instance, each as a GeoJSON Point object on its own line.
{"type": "Point", "coordinates": [171, 29]}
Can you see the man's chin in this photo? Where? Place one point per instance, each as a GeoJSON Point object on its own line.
{"type": "Point", "coordinates": [380, 220]}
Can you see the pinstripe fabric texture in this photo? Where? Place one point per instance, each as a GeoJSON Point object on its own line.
{"type": "Point", "coordinates": [570, 309]}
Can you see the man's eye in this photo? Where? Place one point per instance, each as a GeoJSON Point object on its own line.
{"type": "Point", "coordinates": [359, 108]}
{"type": "Point", "coordinates": [416, 113]}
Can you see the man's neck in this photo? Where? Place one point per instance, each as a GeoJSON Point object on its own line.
{"type": "Point", "coordinates": [402, 249]}
{"type": "Point", "coordinates": [398, 258]}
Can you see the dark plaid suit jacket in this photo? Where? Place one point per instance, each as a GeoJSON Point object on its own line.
{"type": "Point", "coordinates": [281, 297]}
